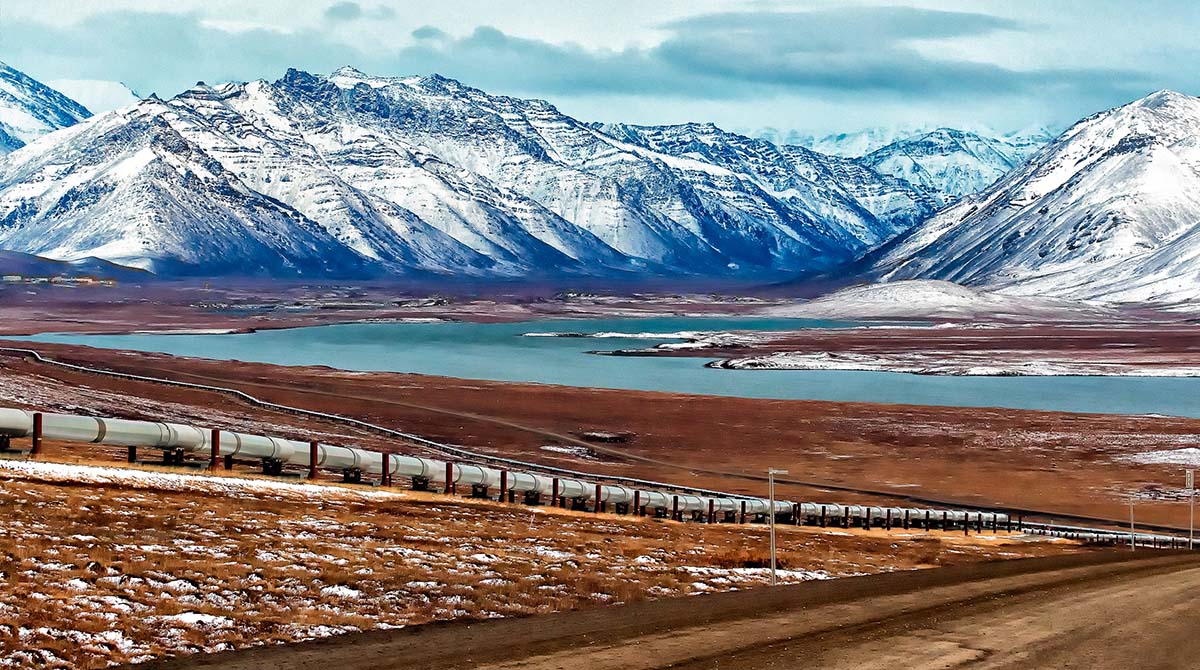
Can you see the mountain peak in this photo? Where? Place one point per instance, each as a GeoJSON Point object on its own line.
{"type": "Point", "coordinates": [949, 162]}
{"type": "Point", "coordinates": [348, 71]}
{"type": "Point", "coordinates": [1163, 98]}
{"type": "Point", "coordinates": [1107, 211]}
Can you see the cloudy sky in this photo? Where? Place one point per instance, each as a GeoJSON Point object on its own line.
{"type": "Point", "coordinates": [810, 65]}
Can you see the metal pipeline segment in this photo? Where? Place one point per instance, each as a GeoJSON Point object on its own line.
{"type": "Point", "coordinates": [123, 432]}
{"type": "Point", "coordinates": [95, 430]}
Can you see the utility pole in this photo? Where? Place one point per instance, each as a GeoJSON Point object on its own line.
{"type": "Point", "coordinates": [1132, 533]}
{"type": "Point", "coordinates": [771, 472]}
{"type": "Point", "coordinates": [1191, 487]}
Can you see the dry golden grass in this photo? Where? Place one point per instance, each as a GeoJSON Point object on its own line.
{"type": "Point", "coordinates": [100, 573]}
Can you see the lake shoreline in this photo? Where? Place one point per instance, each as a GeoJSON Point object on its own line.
{"type": "Point", "coordinates": [498, 352]}
{"type": "Point", "coordinates": [1066, 461]}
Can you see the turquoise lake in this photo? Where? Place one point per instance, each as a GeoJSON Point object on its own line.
{"type": "Point", "coordinates": [498, 352]}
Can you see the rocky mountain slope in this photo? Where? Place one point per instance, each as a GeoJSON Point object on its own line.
{"type": "Point", "coordinates": [949, 163]}
{"type": "Point", "coordinates": [30, 109]}
{"type": "Point", "coordinates": [871, 207]}
{"type": "Point", "coordinates": [1110, 211]}
{"type": "Point", "coordinates": [354, 175]}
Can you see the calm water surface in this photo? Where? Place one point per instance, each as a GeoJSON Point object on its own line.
{"type": "Point", "coordinates": [498, 352]}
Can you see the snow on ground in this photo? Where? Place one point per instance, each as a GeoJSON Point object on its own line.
{"type": "Point", "coordinates": [187, 331]}
{"type": "Point", "coordinates": [127, 565]}
{"type": "Point", "coordinates": [64, 473]}
{"type": "Point", "coordinates": [679, 335]}
{"type": "Point", "coordinates": [570, 450]}
{"type": "Point", "coordinates": [931, 299]}
{"type": "Point", "coordinates": [956, 363]}
{"type": "Point", "coordinates": [1186, 456]}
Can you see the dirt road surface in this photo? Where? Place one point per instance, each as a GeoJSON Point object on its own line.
{"type": "Point", "coordinates": [1096, 611]}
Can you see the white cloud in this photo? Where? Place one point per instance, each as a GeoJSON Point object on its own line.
{"type": "Point", "coordinates": [1005, 63]}
{"type": "Point", "coordinates": [96, 94]}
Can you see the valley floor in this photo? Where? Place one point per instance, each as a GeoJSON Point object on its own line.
{"type": "Point", "coordinates": [1153, 347]}
{"type": "Point", "coordinates": [1060, 463]}
{"type": "Point", "coordinates": [181, 564]}
{"type": "Point", "coordinates": [114, 563]}
{"type": "Point", "coordinates": [241, 307]}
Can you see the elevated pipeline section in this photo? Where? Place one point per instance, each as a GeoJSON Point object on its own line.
{"type": "Point", "coordinates": [566, 486]}
{"type": "Point", "coordinates": [177, 440]}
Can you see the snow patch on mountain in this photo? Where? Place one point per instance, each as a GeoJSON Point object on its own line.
{"type": "Point", "coordinates": [857, 143]}
{"type": "Point", "coordinates": [351, 174]}
{"type": "Point", "coordinates": [1109, 211]}
{"type": "Point", "coordinates": [30, 109]}
{"type": "Point", "coordinates": [951, 163]}
{"type": "Point", "coordinates": [938, 300]}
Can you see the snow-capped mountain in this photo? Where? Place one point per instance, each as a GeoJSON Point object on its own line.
{"type": "Point", "coordinates": [847, 144]}
{"type": "Point", "coordinates": [130, 188]}
{"type": "Point", "coordinates": [853, 200]}
{"type": "Point", "coordinates": [952, 163]}
{"type": "Point", "coordinates": [30, 109]}
{"type": "Point", "coordinates": [1110, 210]}
{"type": "Point", "coordinates": [350, 174]}
{"type": "Point", "coordinates": [779, 137]}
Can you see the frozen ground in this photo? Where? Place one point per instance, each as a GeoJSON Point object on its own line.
{"type": "Point", "coordinates": [958, 363]}
{"type": "Point", "coordinates": [105, 565]}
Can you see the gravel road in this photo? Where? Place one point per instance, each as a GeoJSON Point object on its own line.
{"type": "Point", "coordinates": [1098, 611]}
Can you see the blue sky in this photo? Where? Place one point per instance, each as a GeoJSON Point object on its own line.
{"type": "Point", "coordinates": [815, 66]}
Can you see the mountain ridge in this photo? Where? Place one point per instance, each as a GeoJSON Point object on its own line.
{"type": "Point", "coordinates": [1107, 211]}
{"type": "Point", "coordinates": [350, 174]}
{"type": "Point", "coordinates": [30, 109]}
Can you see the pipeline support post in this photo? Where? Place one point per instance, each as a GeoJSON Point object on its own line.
{"type": "Point", "coordinates": [554, 492]}
{"type": "Point", "coordinates": [385, 475]}
{"type": "Point", "coordinates": [637, 504]}
{"type": "Point", "coordinates": [35, 440]}
{"type": "Point", "coordinates": [503, 485]}
{"type": "Point", "coordinates": [675, 509]}
{"type": "Point", "coordinates": [712, 512]}
{"type": "Point", "coordinates": [449, 477]}
{"type": "Point", "coordinates": [214, 444]}
{"type": "Point", "coordinates": [131, 454]}
{"type": "Point", "coordinates": [599, 506]}
{"type": "Point", "coordinates": [312, 459]}
{"type": "Point", "coordinates": [743, 517]}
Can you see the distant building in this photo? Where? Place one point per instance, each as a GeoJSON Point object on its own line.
{"type": "Point", "coordinates": [58, 280]}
